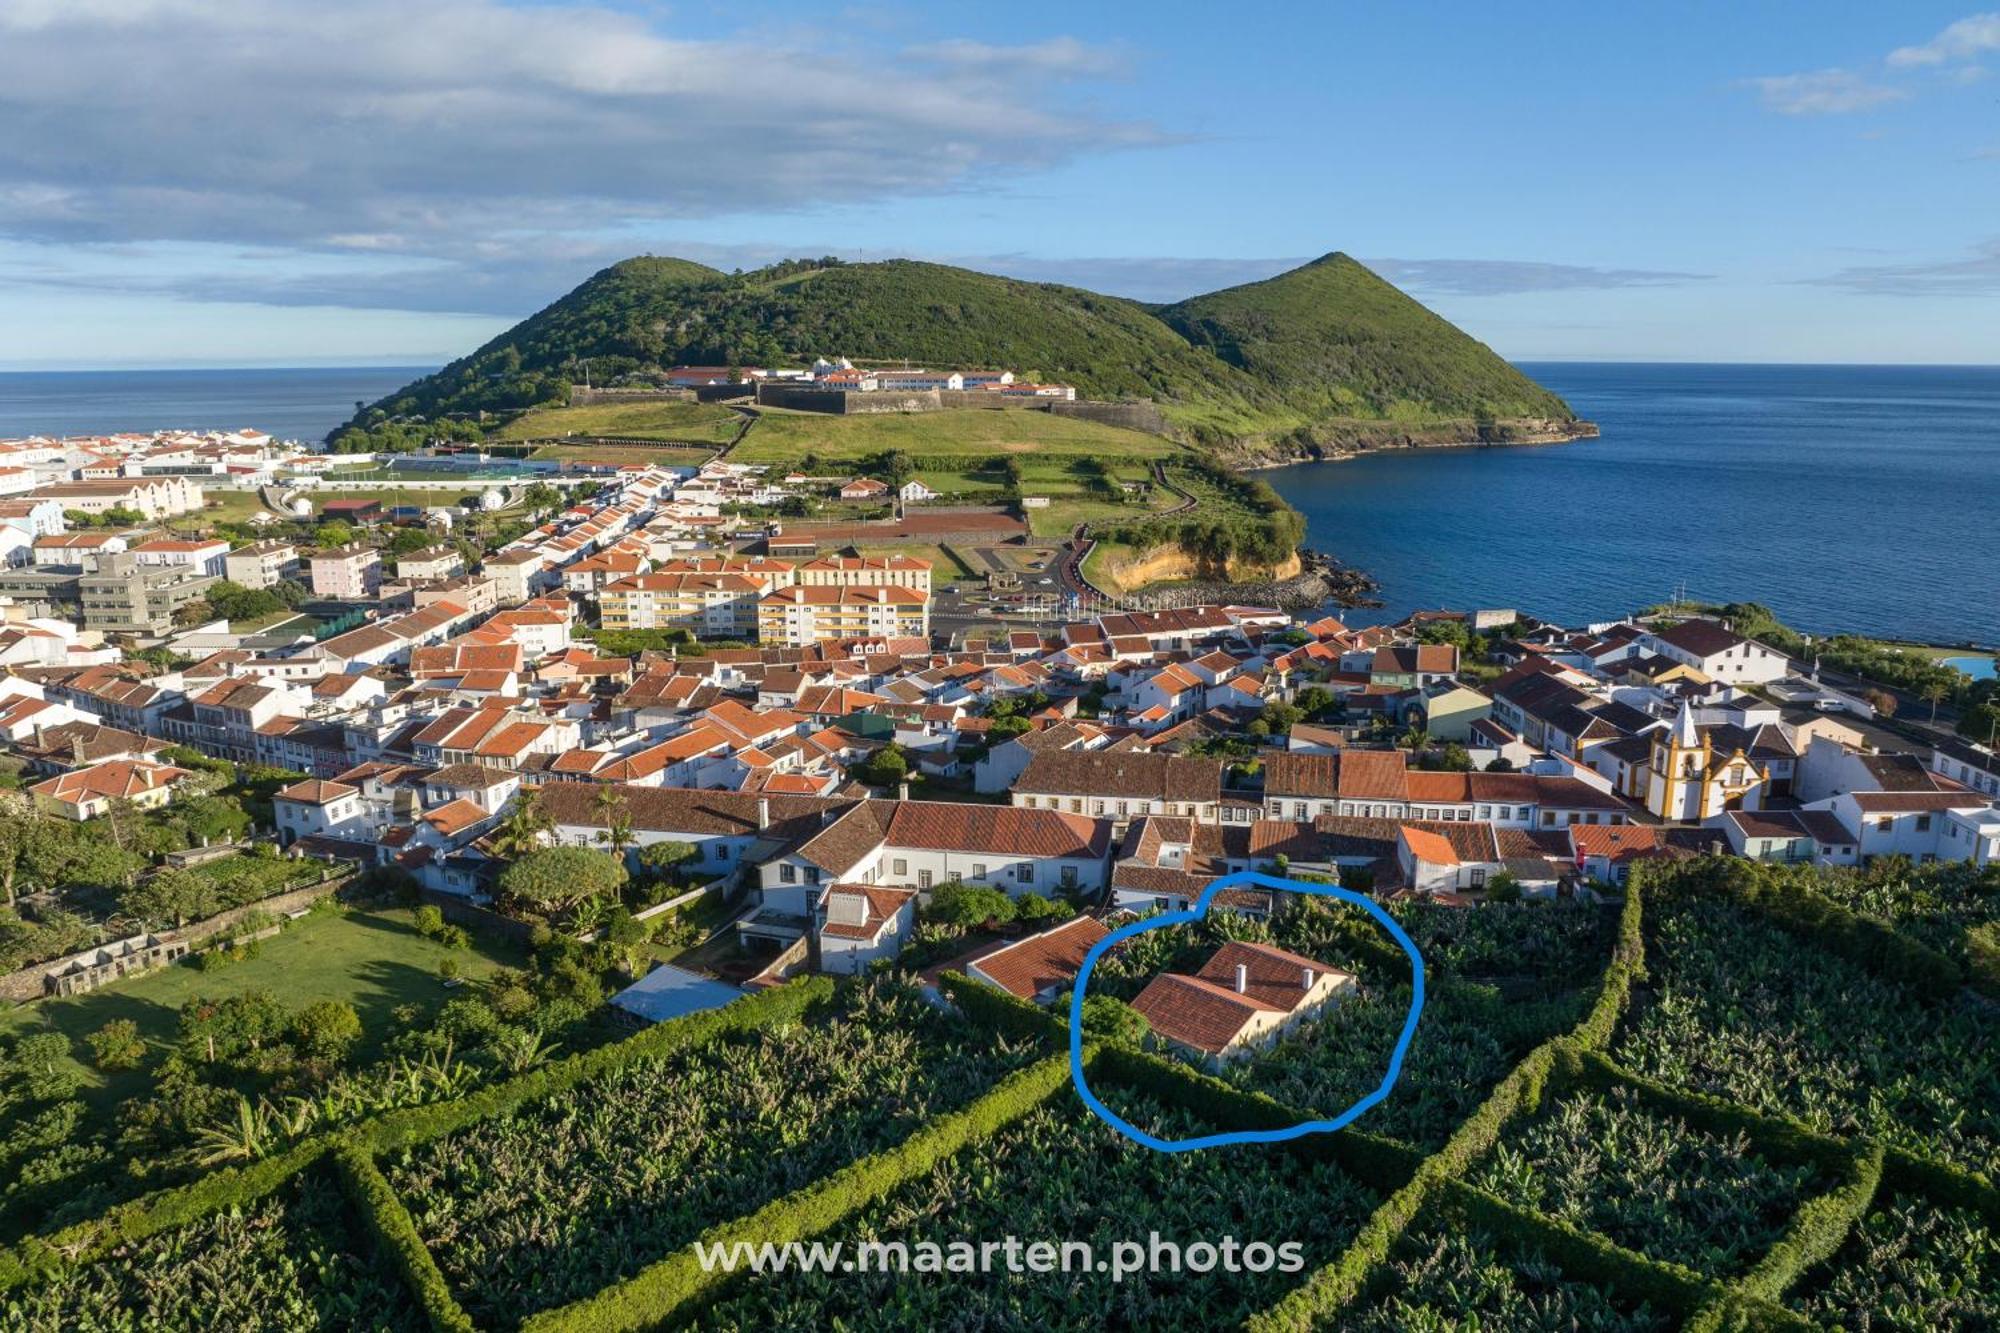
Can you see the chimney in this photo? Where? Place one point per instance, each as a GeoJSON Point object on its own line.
{"type": "Point", "coordinates": [1242, 978]}
{"type": "Point", "coordinates": [763, 812]}
{"type": "Point", "coordinates": [902, 791]}
{"type": "Point", "coordinates": [1306, 978]}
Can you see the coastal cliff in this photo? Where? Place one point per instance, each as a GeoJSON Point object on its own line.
{"type": "Point", "coordinates": [1334, 443]}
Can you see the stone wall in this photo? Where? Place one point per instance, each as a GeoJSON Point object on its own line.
{"type": "Point", "coordinates": [29, 983]}
{"type": "Point", "coordinates": [1137, 415]}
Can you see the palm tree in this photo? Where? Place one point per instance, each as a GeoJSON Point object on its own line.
{"type": "Point", "coordinates": [521, 832]}
{"type": "Point", "coordinates": [1936, 691]}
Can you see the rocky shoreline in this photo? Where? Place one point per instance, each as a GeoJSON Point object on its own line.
{"type": "Point", "coordinates": [1321, 581]}
{"type": "Point", "coordinates": [1305, 447]}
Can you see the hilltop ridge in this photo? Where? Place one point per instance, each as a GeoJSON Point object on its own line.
{"type": "Point", "coordinates": [1325, 354]}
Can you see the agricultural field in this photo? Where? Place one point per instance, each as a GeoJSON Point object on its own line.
{"type": "Point", "coordinates": [785, 438]}
{"type": "Point", "coordinates": [548, 1204]}
{"type": "Point", "coordinates": [1742, 1009]}
{"type": "Point", "coordinates": [1501, 979]}
{"type": "Point", "coordinates": [1596, 1160]}
{"type": "Point", "coordinates": [1446, 1280]}
{"type": "Point", "coordinates": [295, 1259]}
{"type": "Point", "coordinates": [1909, 1266]}
{"type": "Point", "coordinates": [1936, 904]}
{"type": "Point", "coordinates": [638, 421]}
{"type": "Point", "coordinates": [1062, 1173]}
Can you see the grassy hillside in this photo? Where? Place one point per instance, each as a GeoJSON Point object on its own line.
{"type": "Point", "coordinates": [1345, 344]}
{"type": "Point", "coordinates": [1325, 345]}
{"type": "Point", "coordinates": [636, 421]}
{"type": "Point", "coordinates": [974, 435]}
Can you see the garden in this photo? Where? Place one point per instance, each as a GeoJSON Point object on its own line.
{"type": "Point", "coordinates": [552, 1202]}
{"type": "Point", "coordinates": [1673, 1129]}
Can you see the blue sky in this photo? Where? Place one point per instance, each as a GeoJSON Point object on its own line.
{"type": "Point", "coordinates": [263, 181]}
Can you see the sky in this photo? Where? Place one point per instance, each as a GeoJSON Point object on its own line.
{"type": "Point", "coordinates": [244, 182]}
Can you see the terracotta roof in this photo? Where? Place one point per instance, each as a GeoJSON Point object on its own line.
{"type": "Point", "coordinates": [1048, 961]}
{"type": "Point", "coordinates": [996, 828]}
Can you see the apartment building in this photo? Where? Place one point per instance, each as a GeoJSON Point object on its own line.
{"type": "Point", "coordinates": [799, 617]}
{"type": "Point", "coordinates": [351, 573]}
{"type": "Point", "coordinates": [263, 565]}
{"type": "Point", "coordinates": [719, 606]}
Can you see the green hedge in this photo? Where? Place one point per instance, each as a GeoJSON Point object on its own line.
{"type": "Point", "coordinates": [1982, 958]}
{"type": "Point", "coordinates": [1583, 1254]}
{"type": "Point", "coordinates": [1319, 1298]}
{"type": "Point", "coordinates": [1627, 966]}
{"type": "Point", "coordinates": [389, 1222]}
{"type": "Point", "coordinates": [1006, 1014]}
{"type": "Point", "coordinates": [1795, 907]}
{"type": "Point", "coordinates": [677, 1284]}
{"type": "Point", "coordinates": [753, 1013]}
{"type": "Point", "coordinates": [1381, 1163]}
{"type": "Point", "coordinates": [1818, 1229]}
{"type": "Point", "coordinates": [236, 1186]}
{"type": "Point", "coordinates": [232, 1187]}
{"type": "Point", "coordinates": [1776, 1135]}
{"type": "Point", "coordinates": [1904, 1172]}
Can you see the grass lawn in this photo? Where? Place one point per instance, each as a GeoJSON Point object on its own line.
{"type": "Point", "coordinates": [642, 421]}
{"type": "Point", "coordinates": [374, 960]}
{"type": "Point", "coordinates": [785, 437]}
{"type": "Point", "coordinates": [944, 566]}
{"type": "Point", "coordinates": [617, 455]}
{"type": "Point", "coordinates": [225, 507]}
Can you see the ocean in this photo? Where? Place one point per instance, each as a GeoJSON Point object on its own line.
{"type": "Point", "coordinates": [1845, 498]}
{"type": "Point", "coordinates": [292, 404]}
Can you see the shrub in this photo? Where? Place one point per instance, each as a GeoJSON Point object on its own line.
{"type": "Point", "coordinates": [117, 1045]}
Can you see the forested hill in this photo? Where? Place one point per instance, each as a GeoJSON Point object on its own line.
{"type": "Point", "coordinates": [1308, 353]}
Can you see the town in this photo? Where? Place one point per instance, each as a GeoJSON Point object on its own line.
{"type": "Point", "coordinates": [630, 753]}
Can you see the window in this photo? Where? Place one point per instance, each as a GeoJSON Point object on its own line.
{"type": "Point", "coordinates": [1479, 877]}
{"type": "Point", "coordinates": [979, 870]}
{"type": "Point", "coordinates": [1923, 823]}
{"type": "Point", "coordinates": [788, 873]}
{"type": "Point", "coordinates": [1069, 877]}
{"type": "Point", "coordinates": [1024, 871]}
{"type": "Point", "coordinates": [899, 867]}
{"type": "Point", "coordinates": [923, 879]}
{"type": "Point", "coordinates": [1298, 810]}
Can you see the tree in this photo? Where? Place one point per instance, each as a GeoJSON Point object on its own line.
{"type": "Point", "coordinates": [334, 533]}
{"type": "Point", "coordinates": [1109, 1016]}
{"type": "Point", "coordinates": [116, 1045]}
{"type": "Point", "coordinates": [1882, 702]}
{"type": "Point", "coordinates": [960, 904]}
{"type": "Point", "coordinates": [1936, 690]}
{"type": "Point", "coordinates": [326, 1029]}
{"type": "Point", "coordinates": [42, 1060]}
{"type": "Point", "coordinates": [1503, 888]}
{"type": "Point", "coordinates": [171, 895]}
{"type": "Point", "coordinates": [555, 879]}
{"type": "Point", "coordinates": [521, 831]}
{"type": "Point", "coordinates": [660, 859]}
{"type": "Point", "coordinates": [219, 1029]}
{"type": "Point", "coordinates": [617, 832]}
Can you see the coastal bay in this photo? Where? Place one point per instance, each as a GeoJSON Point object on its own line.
{"type": "Point", "coordinates": [1853, 498]}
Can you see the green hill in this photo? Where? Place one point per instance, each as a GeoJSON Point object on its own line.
{"type": "Point", "coordinates": [1344, 344]}
{"type": "Point", "coordinates": [1323, 349]}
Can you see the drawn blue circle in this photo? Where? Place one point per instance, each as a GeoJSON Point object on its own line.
{"type": "Point", "coordinates": [1195, 913]}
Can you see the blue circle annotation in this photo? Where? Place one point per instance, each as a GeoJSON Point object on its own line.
{"type": "Point", "coordinates": [1195, 913]}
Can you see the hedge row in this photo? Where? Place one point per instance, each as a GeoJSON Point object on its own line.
{"type": "Point", "coordinates": [232, 1187]}
{"type": "Point", "coordinates": [1583, 1254]}
{"type": "Point", "coordinates": [1818, 1229]}
{"type": "Point", "coordinates": [1319, 1299]}
{"type": "Point", "coordinates": [753, 1013]}
{"type": "Point", "coordinates": [389, 1222]}
{"type": "Point", "coordinates": [678, 1284]}
{"type": "Point", "coordinates": [1803, 911]}
{"type": "Point", "coordinates": [1380, 1163]}
{"type": "Point", "coordinates": [1006, 1014]}
{"type": "Point", "coordinates": [238, 1186]}
{"type": "Point", "coordinates": [1904, 1172]}
{"type": "Point", "coordinates": [1776, 1135]}
{"type": "Point", "coordinates": [1627, 966]}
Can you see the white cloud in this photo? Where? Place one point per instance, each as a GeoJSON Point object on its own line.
{"type": "Point", "coordinates": [1057, 55]}
{"type": "Point", "coordinates": [395, 128]}
{"type": "Point", "coordinates": [1825, 92]}
{"type": "Point", "coordinates": [1976, 274]}
{"type": "Point", "coordinates": [1967, 39]}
